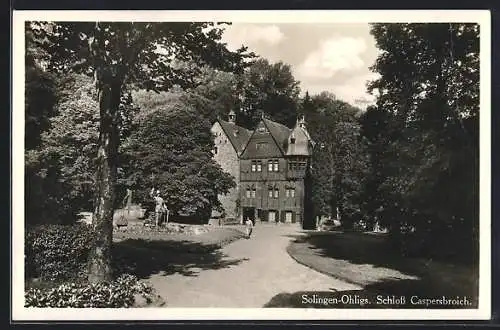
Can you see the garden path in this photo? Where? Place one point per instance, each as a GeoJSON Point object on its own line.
{"type": "Point", "coordinates": [266, 270]}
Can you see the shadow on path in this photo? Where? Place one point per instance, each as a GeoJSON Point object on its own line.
{"type": "Point", "coordinates": [367, 260]}
{"type": "Point", "coordinates": [371, 297]}
{"type": "Point", "coordinates": [144, 258]}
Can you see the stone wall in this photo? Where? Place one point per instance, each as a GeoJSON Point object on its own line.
{"type": "Point", "coordinates": [225, 155]}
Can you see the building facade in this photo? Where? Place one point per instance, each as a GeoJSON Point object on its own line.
{"type": "Point", "coordinates": [271, 166]}
{"type": "Point", "coordinates": [229, 141]}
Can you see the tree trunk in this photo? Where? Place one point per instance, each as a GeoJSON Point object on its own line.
{"type": "Point", "coordinates": [99, 262]}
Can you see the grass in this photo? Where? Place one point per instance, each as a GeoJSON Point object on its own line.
{"type": "Point", "coordinates": [147, 251]}
{"type": "Point", "coordinates": [150, 252]}
{"type": "Point", "coordinates": [218, 236]}
{"type": "Point", "coordinates": [367, 260]}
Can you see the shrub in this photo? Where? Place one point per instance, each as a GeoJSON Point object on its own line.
{"type": "Point", "coordinates": [57, 252]}
{"type": "Point", "coordinates": [126, 291]}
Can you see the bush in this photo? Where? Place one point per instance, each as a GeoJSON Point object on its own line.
{"type": "Point", "coordinates": [126, 291]}
{"type": "Point", "coordinates": [57, 252]}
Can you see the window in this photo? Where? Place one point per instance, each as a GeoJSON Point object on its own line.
{"type": "Point", "coordinates": [290, 192]}
{"type": "Point", "coordinates": [256, 166]}
{"type": "Point", "coordinates": [273, 165]}
{"type": "Point", "coordinates": [297, 165]}
{"type": "Point", "coordinates": [250, 192]}
{"type": "Point", "coordinates": [274, 192]}
{"type": "Point", "coordinates": [215, 150]}
{"type": "Point", "coordinates": [261, 146]}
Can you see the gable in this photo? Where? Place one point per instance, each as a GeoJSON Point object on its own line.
{"type": "Point", "coordinates": [237, 135]}
{"type": "Point", "coordinates": [279, 132]}
{"type": "Point", "coordinates": [222, 144]}
{"type": "Point", "coordinates": [263, 143]}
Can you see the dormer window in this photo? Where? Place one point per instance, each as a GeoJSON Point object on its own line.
{"type": "Point", "coordinates": [292, 140]}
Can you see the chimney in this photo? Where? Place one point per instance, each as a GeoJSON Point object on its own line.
{"type": "Point", "coordinates": [232, 117]}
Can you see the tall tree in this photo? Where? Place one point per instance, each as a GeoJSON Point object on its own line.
{"type": "Point", "coordinates": [40, 101]}
{"type": "Point", "coordinates": [339, 158]}
{"type": "Point", "coordinates": [430, 85]}
{"type": "Point", "coordinates": [65, 157]}
{"type": "Point", "coordinates": [40, 93]}
{"type": "Point", "coordinates": [120, 53]}
{"type": "Point", "coordinates": [216, 94]}
{"type": "Point", "coordinates": [374, 125]}
{"type": "Point", "coordinates": [269, 88]}
{"type": "Point", "coordinates": [171, 150]}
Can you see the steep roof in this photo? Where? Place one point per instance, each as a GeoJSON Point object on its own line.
{"type": "Point", "coordinates": [302, 145]}
{"type": "Point", "coordinates": [279, 133]}
{"type": "Point", "coordinates": [237, 135]}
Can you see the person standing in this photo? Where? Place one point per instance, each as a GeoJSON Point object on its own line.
{"type": "Point", "coordinates": [249, 227]}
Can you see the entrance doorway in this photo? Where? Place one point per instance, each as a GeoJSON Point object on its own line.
{"type": "Point", "coordinates": [249, 213]}
{"type": "Point", "coordinates": [272, 216]}
{"type": "Point", "coordinates": [288, 217]}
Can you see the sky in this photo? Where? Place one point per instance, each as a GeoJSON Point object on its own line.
{"type": "Point", "coordinates": [324, 57]}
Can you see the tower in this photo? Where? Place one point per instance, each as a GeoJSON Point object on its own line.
{"type": "Point", "coordinates": [299, 153]}
{"type": "Point", "coordinates": [301, 122]}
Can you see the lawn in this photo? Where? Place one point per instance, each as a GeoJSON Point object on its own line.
{"type": "Point", "coordinates": [367, 260]}
{"type": "Point", "coordinates": [143, 251]}
{"type": "Point", "coordinates": [149, 251]}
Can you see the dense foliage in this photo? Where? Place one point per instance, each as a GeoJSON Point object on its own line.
{"type": "Point", "coordinates": [338, 163]}
{"type": "Point", "coordinates": [57, 252]}
{"type": "Point", "coordinates": [408, 163]}
{"type": "Point", "coordinates": [122, 292]}
{"type": "Point", "coordinates": [171, 150]}
{"type": "Point", "coordinates": [60, 170]}
{"type": "Point", "coordinates": [269, 89]}
{"type": "Point", "coordinates": [119, 54]}
{"type": "Point", "coordinates": [423, 133]}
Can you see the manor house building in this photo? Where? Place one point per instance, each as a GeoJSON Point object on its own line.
{"type": "Point", "coordinates": [271, 166]}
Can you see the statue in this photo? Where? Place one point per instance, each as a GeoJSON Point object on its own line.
{"type": "Point", "coordinates": [160, 207]}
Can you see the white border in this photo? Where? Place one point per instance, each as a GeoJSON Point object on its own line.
{"type": "Point", "coordinates": [19, 313]}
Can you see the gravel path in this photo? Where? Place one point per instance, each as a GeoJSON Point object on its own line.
{"type": "Point", "coordinates": [263, 271]}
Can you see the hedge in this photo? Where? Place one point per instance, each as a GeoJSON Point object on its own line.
{"type": "Point", "coordinates": [126, 291]}
{"type": "Point", "coordinates": [57, 252]}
